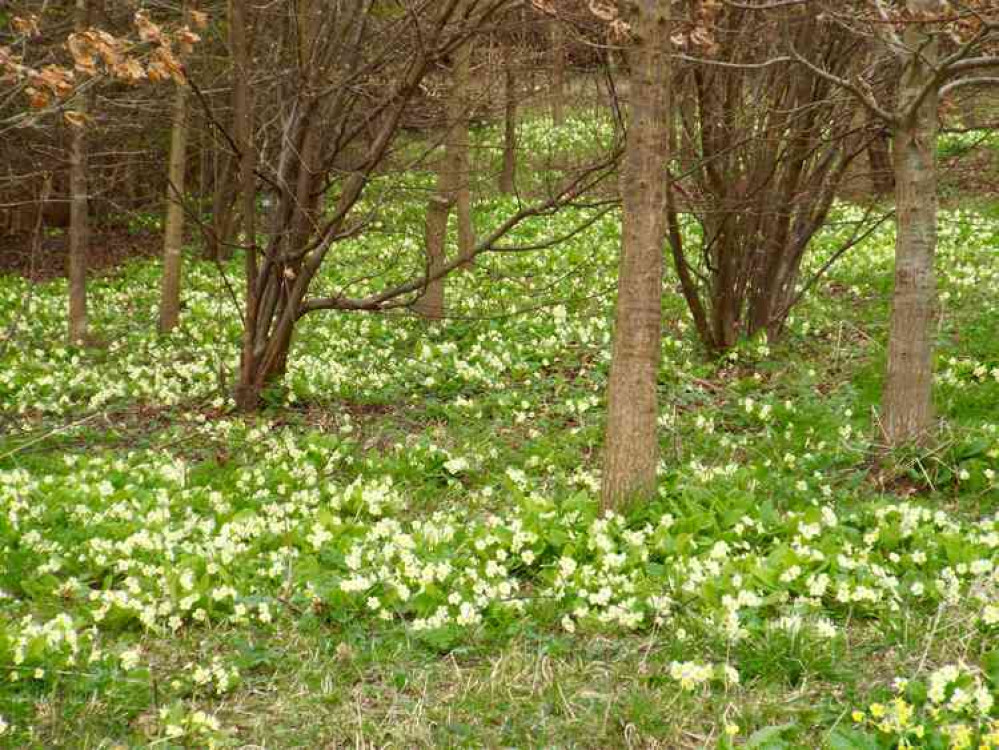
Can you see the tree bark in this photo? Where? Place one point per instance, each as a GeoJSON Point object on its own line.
{"type": "Point", "coordinates": [223, 209]}
{"type": "Point", "coordinates": [173, 238]}
{"type": "Point", "coordinates": [248, 388]}
{"type": "Point", "coordinates": [967, 102]}
{"type": "Point", "coordinates": [79, 228]}
{"type": "Point", "coordinates": [907, 403]}
{"type": "Point", "coordinates": [508, 175]}
{"type": "Point", "coordinates": [631, 450]}
{"type": "Point", "coordinates": [879, 160]}
{"type": "Point", "coordinates": [430, 304]}
{"type": "Point", "coordinates": [457, 148]}
{"type": "Point", "coordinates": [130, 184]}
{"type": "Point", "coordinates": [558, 73]}
{"type": "Point", "coordinates": [205, 167]}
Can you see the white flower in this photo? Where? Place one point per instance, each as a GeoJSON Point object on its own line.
{"type": "Point", "coordinates": [691, 674]}
{"type": "Point", "coordinates": [939, 680]}
{"type": "Point", "coordinates": [130, 658]}
{"type": "Point", "coordinates": [467, 614]}
{"type": "Point", "coordinates": [456, 465]}
{"type": "Point", "coordinates": [264, 613]}
{"type": "Point", "coordinates": [825, 628]}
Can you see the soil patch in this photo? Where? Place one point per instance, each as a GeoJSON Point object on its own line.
{"type": "Point", "coordinates": [110, 247]}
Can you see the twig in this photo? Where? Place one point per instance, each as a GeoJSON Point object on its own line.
{"type": "Point", "coordinates": [47, 435]}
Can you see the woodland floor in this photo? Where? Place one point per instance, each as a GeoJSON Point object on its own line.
{"type": "Point", "coordinates": [403, 549]}
{"type": "Point", "coordinates": [109, 248]}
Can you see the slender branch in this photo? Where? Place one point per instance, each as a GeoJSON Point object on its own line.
{"type": "Point", "coordinates": [377, 301]}
{"type": "Point", "coordinates": [864, 97]}
{"type": "Point", "coordinates": [961, 82]}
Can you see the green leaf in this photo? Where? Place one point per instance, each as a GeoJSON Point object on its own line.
{"type": "Point", "coordinates": [915, 692]}
{"type": "Point", "coordinates": [769, 738]}
{"type": "Point", "coordinates": [851, 739]}
{"type": "Point", "coordinates": [990, 665]}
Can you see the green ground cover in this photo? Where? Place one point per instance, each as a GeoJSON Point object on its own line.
{"type": "Point", "coordinates": [404, 548]}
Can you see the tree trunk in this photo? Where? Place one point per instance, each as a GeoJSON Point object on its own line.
{"type": "Point", "coordinates": [79, 228]}
{"type": "Point", "coordinates": [249, 386]}
{"type": "Point", "coordinates": [430, 304]}
{"type": "Point", "coordinates": [453, 189]}
{"type": "Point", "coordinates": [558, 73]}
{"type": "Point", "coordinates": [508, 176]}
{"type": "Point", "coordinates": [130, 185]}
{"type": "Point", "coordinates": [908, 403]}
{"type": "Point", "coordinates": [631, 451]}
{"type": "Point", "coordinates": [173, 239]}
{"type": "Point", "coordinates": [205, 171]}
{"type": "Point", "coordinates": [457, 149]}
{"type": "Point", "coordinates": [879, 160]}
{"type": "Point", "coordinates": [223, 210]}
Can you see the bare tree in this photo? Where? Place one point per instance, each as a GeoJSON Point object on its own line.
{"type": "Point", "coordinates": [339, 109]}
{"type": "Point", "coordinates": [762, 149]}
{"type": "Point", "coordinates": [915, 34]}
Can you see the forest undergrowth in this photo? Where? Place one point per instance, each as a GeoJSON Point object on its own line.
{"type": "Point", "coordinates": [404, 548]}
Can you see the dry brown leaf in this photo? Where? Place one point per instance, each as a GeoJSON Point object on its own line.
{"type": "Point", "coordinates": [27, 25]}
{"type": "Point", "coordinates": [148, 31]}
{"type": "Point", "coordinates": [186, 39]}
{"type": "Point", "coordinates": [75, 119]}
{"type": "Point", "coordinates": [37, 98]}
{"type": "Point", "coordinates": [199, 19]}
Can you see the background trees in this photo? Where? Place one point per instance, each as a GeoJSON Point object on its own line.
{"type": "Point", "coordinates": [761, 154]}
{"type": "Point", "coordinates": [55, 74]}
{"type": "Point", "coordinates": [914, 33]}
{"type": "Point", "coordinates": [301, 137]}
{"type": "Point", "coordinates": [328, 120]}
{"type": "Point", "coordinates": [497, 438]}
